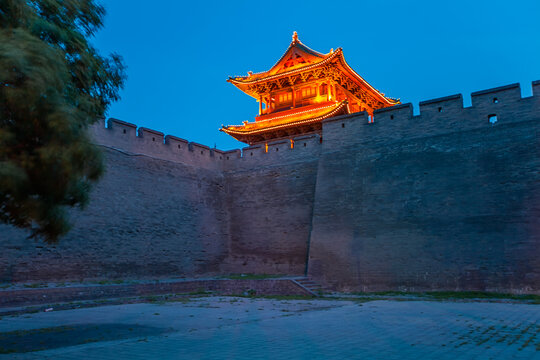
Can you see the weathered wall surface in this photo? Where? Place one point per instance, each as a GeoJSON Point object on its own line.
{"type": "Point", "coordinates": [270, 202]}
{"type": "Point", "coordinates": [444, 200]}
{"type": "Point", "coordinates": [147, 218]}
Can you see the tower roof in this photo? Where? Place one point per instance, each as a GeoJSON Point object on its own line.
{"type": "Point", "coordinates": [295, 57]}
{"type": "Point", "coordinates": [292, 122]}
{"type": "Point", "coordinates": [300, 90]}
{"type": "Point", "coordinates": [299, 58]}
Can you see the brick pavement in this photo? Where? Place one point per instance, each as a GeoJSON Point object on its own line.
{"type": "Point", "coordinates": [242, 328]}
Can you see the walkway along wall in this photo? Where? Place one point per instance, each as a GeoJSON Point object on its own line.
{"type": "Point", "coordinates": [443, 200]}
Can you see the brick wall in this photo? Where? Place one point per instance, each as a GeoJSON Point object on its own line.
{"type": "Point", "coordinates": [443, 200]}
{"type": "Point", "coordinates": [147, 218]}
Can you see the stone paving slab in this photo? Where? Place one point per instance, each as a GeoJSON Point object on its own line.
{"type": "Point", "coordinates": [244, 328]}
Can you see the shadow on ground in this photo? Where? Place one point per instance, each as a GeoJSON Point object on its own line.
{"type": "Point", "coordinates": [22, 341]}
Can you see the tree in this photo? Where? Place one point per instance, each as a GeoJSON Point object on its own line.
{"type": "Point", "coordinates": [53, 85]}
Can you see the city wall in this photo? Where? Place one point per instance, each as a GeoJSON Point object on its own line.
{"type": "Point", "coordinates": [441, 201]}
{"type": "Point", "coordinates": [270, 199]}
{"type": "Point", "coordinates": [147, 218]}
{"type": "Point", "coordinates": [448, 199]}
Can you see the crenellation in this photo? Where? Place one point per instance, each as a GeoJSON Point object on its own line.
{"type": "Point", "coordinates": [444, 107]}
{"type": "Point", "coordinates": [306, 147]}
{"type": "Point", "coordinates": [117, 134]}
{"type": "Point", "coordinates": [232, 154]}
{"type": "Point", "coordinates": [151, 142]}
{"type": "Point", "coordinates": [343, 129]}
{"type": "Point", "coordinates": [502, 95]}
{"type": "Point", "coordinates": [230, 158]}
{"type": "Point", "coordinates": [502, 105]}
{"type": "Point", "coordinates": [391, 123]}
{"type": "Point", "coordinates": [201, 149]}
{"type": "Point", "coordinates": [280, 145]}
{"type": "Point", "coordinates": [143, 141]}
{"type": "Point", "coordinates": [218, 154]}
{"type": "Point", "coordinates": [441, 115]}
{"type": "Point", "coordinates": [252, 154]}
{"type": "Point", "coordinates": [249, 150]}
{"type": "Point", "coordinates": [307, 142]}
{"type": "Point", "coordinates": [365, 200]}
{"type": "Point", "coordinates": [151, 136]}
{"type": "Point", "coordinates": [119, 126]}
{"type": "Point", "coordinates": [176, 143]}
{"type": "Point", "coordinates": [278, 152]}
{"type": "Point", "coordinates": [437, 116]}
{"type": "Point", "coordinates": [401, 111]}
{"type": "Point", "coordinates": [536, 88]}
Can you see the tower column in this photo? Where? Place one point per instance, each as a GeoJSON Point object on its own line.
{"type": "Point", "coordinates": [328, 90]}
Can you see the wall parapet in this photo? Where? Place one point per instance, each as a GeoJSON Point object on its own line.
{"type": "Point", "coordinates": [127, 137]}
{"type": "Point", "coordinates": [442, 100]}
{"type": "Point", "coordinates": [490, 108]}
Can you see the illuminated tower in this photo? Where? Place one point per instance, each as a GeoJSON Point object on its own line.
{"type": "Point", "coordinates": [303, 88]}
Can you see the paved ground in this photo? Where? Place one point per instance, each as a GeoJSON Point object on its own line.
{"type": "Point", "coordinates": [242, 328]}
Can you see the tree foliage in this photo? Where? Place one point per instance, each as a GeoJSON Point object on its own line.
{"type": "Point", "coordinates": [53, 85]}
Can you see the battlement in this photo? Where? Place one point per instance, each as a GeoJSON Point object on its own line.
{"type": "Point", "coordinates": [490, 108]}
{"type": "Point", "coordinates": [279, 151]}
{"type": "Point", "coordinates": [124, 136]}
{"type": "Point", "coordinates": [444, 200]}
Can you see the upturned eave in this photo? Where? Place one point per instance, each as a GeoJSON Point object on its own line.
{"type": "Point", "coordinates": [280, 121]}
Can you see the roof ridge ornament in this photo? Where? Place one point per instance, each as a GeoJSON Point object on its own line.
{"type": "Point", "coordinates": [295, 37]}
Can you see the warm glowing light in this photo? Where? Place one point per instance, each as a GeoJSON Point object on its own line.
{"type": "Point", "coordinates": [303, 87]}
{"type": "Point", "coordinates": [294, 119]}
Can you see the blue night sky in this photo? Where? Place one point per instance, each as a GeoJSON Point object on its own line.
{"type": "Point", "coordinates": [179, 54]}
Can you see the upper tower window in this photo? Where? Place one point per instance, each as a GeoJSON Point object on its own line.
{"type": "Point", "coordinates": [309, 92]}
{"type": "Point", "coordinates": [284, 99]}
